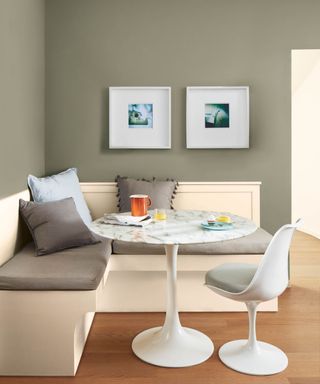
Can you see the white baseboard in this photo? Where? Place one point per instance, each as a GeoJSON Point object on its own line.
{"type": "Point", "coordinates": [310, 232]}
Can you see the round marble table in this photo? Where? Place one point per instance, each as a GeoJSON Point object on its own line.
{"type": "Point", "coordinates": [173, 345]}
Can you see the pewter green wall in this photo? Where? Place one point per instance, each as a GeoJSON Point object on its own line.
{"type": "Point", "coordinates": [21, 92]}
{"type": "Point", "coordinates": [94, 44]}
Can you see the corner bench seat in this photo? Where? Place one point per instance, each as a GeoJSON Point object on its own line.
{"type": "Point", "coordinates": [79, 268]}
{"type": "Point", "coordinates": [254, 244]}
{"type": "Point", "coordinates": [47, 309]}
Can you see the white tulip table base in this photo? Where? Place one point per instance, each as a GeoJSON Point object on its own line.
{"type": "Point", "coordinates": [178, 347]}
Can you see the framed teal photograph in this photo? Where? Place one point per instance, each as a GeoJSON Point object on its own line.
{"type": "Point", "coordinates": [139, 117]}
{"type": "Point", "coordinates": [218, 117]}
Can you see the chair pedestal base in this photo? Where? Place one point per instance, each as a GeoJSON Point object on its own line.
{"type": "Point", "coordinates": [265, 360]}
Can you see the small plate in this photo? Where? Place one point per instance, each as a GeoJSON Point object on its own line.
{"type": "Point", "coordinates": [217, 226]}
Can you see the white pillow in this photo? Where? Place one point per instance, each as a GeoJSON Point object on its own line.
{"type": "Point", "coordinates": [60, 186]}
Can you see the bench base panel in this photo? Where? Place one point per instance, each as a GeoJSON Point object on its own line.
{"type": "Point", "coordinates": [146, 292]}
{"type": "Point", "coordinates": [44, 333]}
{"type": "Point", "coordinates": [137, 283]}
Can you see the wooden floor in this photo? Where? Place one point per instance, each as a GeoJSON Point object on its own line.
{"type": "Point", "coordinates": [108, 358]}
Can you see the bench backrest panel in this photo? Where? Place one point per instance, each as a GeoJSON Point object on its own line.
{"type": "Point", "coordinates": [12, 230]}
{"type": "Point", "coordinates": [241, 198]}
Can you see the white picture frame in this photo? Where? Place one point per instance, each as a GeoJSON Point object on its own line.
{"type": "Point", "coordinates": [139, 117]}
{"type": "Point", "coordinates": [217, 117]}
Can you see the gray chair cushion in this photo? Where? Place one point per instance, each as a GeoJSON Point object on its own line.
{"type": "Point", "coordinates": [231, 277]}
{"type": "Point", "coordinates": [255, 243]}
{"type": "Point", "coordinates": [72, 269]}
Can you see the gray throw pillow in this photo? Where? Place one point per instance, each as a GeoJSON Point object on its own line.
{"type": "Point", "coordinates": [55, 225]}
{"type": "Point", "coordinates": [160, 192]}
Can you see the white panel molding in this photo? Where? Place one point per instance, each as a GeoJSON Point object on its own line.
{"type": "Point", "coordinates": [242, 198]}
{"type": "Point", "coordinates": [9, 224]}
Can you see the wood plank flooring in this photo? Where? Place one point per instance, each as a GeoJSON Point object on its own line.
{"type": "Point", "coordinates": [108, 358]}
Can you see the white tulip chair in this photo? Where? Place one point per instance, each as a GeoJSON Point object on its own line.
{"type": "Point", "coordinates": [253, 284]}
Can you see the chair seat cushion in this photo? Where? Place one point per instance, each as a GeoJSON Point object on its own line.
{"type": "Point", "coordinates": [231, 277]}
{"type": "Point", "coordinates": [71, 269]}
{"type": "Point", "coordinates": [256, 243]}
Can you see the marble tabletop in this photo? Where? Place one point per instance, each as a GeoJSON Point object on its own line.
{"type": "Point", "coordinates": [181, 227]}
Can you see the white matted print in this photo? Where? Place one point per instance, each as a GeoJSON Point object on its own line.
{"type": "Point", "coordinates": [140, 117]}
{"type": "Point", "coordinates": [218, 117]}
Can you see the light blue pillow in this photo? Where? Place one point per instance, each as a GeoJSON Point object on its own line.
{"type": "Point", "coordinates": [60, 186]}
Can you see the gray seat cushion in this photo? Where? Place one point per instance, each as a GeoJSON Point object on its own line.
{"type": "Point", "coordinates": [71, 269]}
{"type": "Point", "coordinates": [255, 243]}
{"type": "Point", "coordinates": [231, 277]}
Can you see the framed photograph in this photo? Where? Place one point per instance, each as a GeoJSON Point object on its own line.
{"type": "Point", "coordinates": [140, 117]}
{"type": "Point", "coordinates": [218, 117]}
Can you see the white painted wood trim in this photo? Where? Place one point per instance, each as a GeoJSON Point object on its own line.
{"type": "Point", "coordinates": [193, 295]}
{"type": "Point", "coordinates": [185, 263]}
{"type": "Point", "coordinates": [102, 197]}
{"type": "Point", "coordinates": [133, 277]}
{"type": "Point", "coordinates": [90, 185]}
{"type": "Point", "coordinates": [43, 333]}
{"type": "Point", "coordinates": [310, 232]}
{"type": "Point", "coordinates": [242, 198]}
{"type": "Point", "coordinates": [9, 225]}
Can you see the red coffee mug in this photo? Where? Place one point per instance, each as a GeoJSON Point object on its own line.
{"type": "Point", "coordinates": [140, 205]}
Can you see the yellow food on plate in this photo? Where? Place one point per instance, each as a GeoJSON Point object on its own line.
{"type": "Point", "coordinates": [223, 219]}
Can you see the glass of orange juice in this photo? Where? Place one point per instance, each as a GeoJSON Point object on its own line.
{"type": "Point", "coordinates": [160, 214]}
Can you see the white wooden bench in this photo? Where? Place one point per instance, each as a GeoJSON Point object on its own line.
{"type": "Point", "coordinates": [44, 332]}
